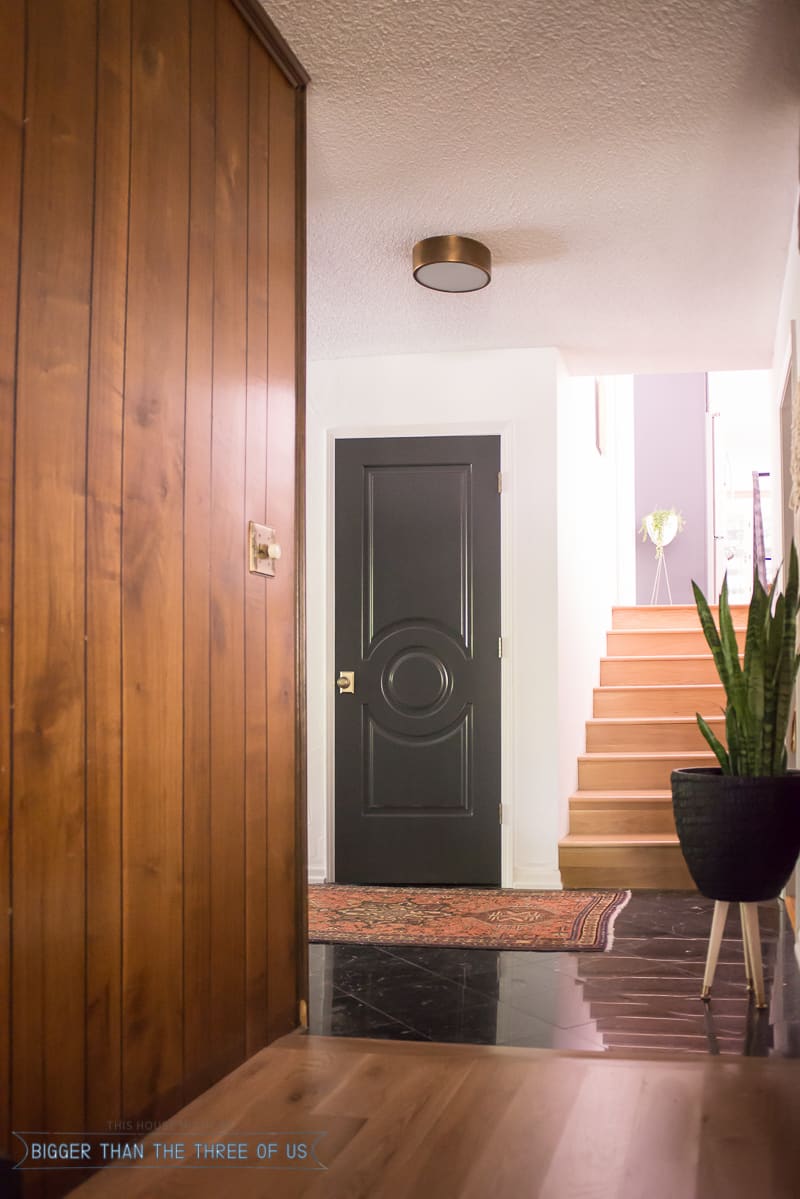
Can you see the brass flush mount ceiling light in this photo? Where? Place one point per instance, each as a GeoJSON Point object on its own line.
{"type": "Point", "coordinates": [452, 263]}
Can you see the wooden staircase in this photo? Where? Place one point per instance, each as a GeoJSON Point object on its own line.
{"type": "Point", "coordinates": [656, 676]}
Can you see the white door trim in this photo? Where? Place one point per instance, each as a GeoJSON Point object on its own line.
{"type": "Point", "coordinates": [437, 429]}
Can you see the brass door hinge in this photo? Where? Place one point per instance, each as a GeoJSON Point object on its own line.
{"type": "Point", "coordinates": [302, 1013]}
{"type": "Point", "coordinates": [499, 647]}
{"type": "Point", "coordinates": [499, 482]}
{"type": "Point", "coordinates": [500, 812]}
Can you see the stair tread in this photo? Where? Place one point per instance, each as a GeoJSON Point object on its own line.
{"type": "Point", "coordinates": [643, 794]}
{"type": "Point", "coordinates": [619, 839]}
{"type": "Point", "coordinates": [660, 657]}
{"type": "Point", "coordinates": [643, 755]}
{"type": "Point", "coordinates": [658, 686]}
{"type": "Point", "coordinates": [739, 628]}
{"type": "Point", "coordinates": [614, 721]}
{"type": "Point", "coordinates": [672, 608]}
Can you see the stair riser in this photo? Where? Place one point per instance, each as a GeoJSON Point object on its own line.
{"type": "Point", "coordinates": [642, 867]}
{"type": "Point", "coordinates": [626, 877]}
{"type": "Point", "coordinates": [663, 701]}
{"type": "Point", "coordinates": [601, 821]}
{"type": "Point", "coordinates": [638, 738]}
{"type": "Point", "coordinates": [631, 775]}
{"type": "Point", "coordinates": [650, 672]}
{"type": "Point", "coordinates": [675, 616]}
{"type": "Point", "coordinates": [654, 641]}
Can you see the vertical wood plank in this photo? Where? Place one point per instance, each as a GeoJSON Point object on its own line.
{"type": "Point", "coordinates": [301, 697]}
{"type": "Point", "coordinates": [152, 578]}
{"type": "Point", "coordinates": [227, 896]}
{"type": "Point", "coordinates": [12, 100]}
{"type": "Point", "coordinates": [48, 991]}
{"type": "Point", "coordinates": [103, 569]}
{"type": "Point", "coordinates": [197, 524]}
{"type": "Point", "coordinates": [281, 695]}
{"type": "Point", "coordinates": [256, 585]}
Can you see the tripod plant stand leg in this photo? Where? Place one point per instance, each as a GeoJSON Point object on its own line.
{"type": "Point", "coordinates": [666, 577]}
{"type": "Point", "coordinates": [657, 579]}
{"type": "Point", "coordinates": [714, 941]}
{"type": "Point", "coordinates": [748, 961]}
{"type": "Point", "coordinates": [750, 911]}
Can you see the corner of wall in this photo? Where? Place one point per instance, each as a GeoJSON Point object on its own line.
{"type": "Point", "coordinates": [587, 567]}
{"type": "Point", "coordinates": [514, 393]}
{"type": "Point", "coordinates": [788, 311]}
{"type": "Point", "coordinates": [784, 357]}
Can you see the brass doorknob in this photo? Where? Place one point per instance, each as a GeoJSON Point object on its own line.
{"type": "Point", "coordinates": [346, 682]}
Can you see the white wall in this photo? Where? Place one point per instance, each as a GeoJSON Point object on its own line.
{"type": "Point", "coordinates": [620, 389]}
{"type": "Point", "coordinates": [788, 314]}
{"type": "Point", "coordinates": [546, 425]}
{"type": "Point", "coordinates": [513, 393]}
{"type": "Point", "coordinates": [743, 410]}
{"type": "Point", "coordinates": [588, 524]}
{"type": "Point", "coordinates": [782, 361]}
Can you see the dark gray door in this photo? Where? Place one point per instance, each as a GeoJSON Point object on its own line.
{"type": "Point", "coordinates": [418, 622]}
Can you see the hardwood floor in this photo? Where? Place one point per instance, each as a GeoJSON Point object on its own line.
{"type": "Point", "coordinates": [403, 1121]}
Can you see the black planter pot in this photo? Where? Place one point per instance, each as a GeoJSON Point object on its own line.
{"type": "Point", "coordinates": [740, 836]}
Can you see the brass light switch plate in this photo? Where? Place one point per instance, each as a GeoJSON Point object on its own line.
{"type": "Point", "coordinates": [263, 549]}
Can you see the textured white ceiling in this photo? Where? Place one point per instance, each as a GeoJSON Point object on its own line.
{"type": "Point", "coordinates": [632, 165]}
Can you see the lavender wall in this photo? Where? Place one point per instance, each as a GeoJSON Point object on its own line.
{"type": "Point", "coordinates": [670, 468]}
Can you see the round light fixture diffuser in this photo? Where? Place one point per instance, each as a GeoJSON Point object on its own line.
{"type": "Point", "coordinates": [452, 263]}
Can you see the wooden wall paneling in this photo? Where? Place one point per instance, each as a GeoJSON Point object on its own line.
{"type": "Point", "coordinates": [196, 550]}
{"type": "Point", "coordinates": [256, 585]}
{"type": "Point", "coordinates": [281, 613]}
{"type": "Point", "coordinates": [12, 103]}
{"type": "Point", "coordinates": [152, 574]}
{"type": "Point", "coordinates": [150, 233]}
{"type": "Point", "coordinates": [268, 36]}
{"type": "Point", "coordinates": [301, 729]}
{"type": "Point", "coordinates": [228, 542]}
{"type": "Point", "coordinates": [103, 569]}
{"type": "Point", "coordinates": [49, 610]}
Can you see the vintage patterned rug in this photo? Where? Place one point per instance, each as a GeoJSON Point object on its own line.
{"type": "Point", "coordinates": [464, 917]}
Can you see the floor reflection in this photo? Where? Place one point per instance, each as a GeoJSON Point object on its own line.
{"type": "Point", "coordinates": [642, 994]}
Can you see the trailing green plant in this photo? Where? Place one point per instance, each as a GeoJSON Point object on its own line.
{"type": "Point", "coordinates": [759, 692]}
{"type": "Point", "coordinates": [659, 518]}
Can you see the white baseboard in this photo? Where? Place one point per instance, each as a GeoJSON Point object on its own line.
{"type": "Point", "coordinates": [537, 878]}
{"type": "Point", "coordinates": [532, 878]}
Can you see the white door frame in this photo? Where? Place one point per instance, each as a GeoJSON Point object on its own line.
{"type": "Point", "coordinates": [438, 429]}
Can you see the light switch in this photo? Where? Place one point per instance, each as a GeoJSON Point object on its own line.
{"type": "Point", "coordinates": [264, 549]}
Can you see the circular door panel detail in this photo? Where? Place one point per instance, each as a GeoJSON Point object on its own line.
{"type": "Point", "coordinates": [416, 682]}
{"type": "Point", "coordinates": [413, 680]}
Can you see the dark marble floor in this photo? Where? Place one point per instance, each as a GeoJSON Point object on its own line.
{"type": "Point", "coordinates": [642, 994]}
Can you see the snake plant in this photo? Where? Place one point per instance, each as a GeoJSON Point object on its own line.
{"type": "Point", "coordinates": [759, 692]}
